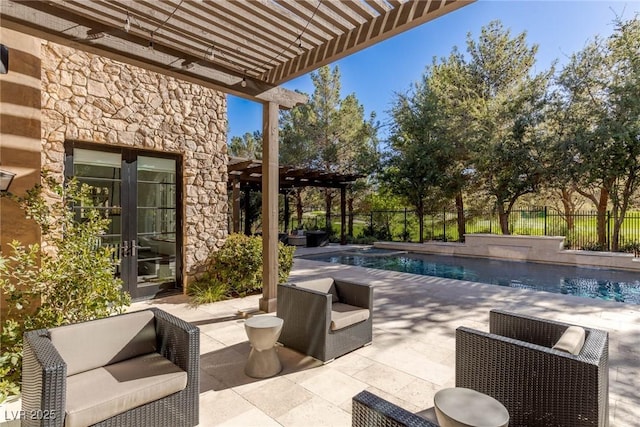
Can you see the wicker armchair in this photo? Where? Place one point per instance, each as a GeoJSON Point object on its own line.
{"type": "Point", "coordinates": [538, 385]}
{"type": "Point", "coordinates": [369, 410]}
{"type": "Point", "coordinates": [120, 360]}
{"type": "Point", "coordinates": [325, 318]}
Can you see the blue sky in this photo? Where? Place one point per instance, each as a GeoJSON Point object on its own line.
{"type": "Point", "coordinates": [559, 27]}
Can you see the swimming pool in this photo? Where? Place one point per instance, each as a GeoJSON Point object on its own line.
{"type": "Point", "coordinates": [612, 285]}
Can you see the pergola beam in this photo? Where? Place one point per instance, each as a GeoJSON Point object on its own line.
{"type": "Point", "coordinates": [80, 33]}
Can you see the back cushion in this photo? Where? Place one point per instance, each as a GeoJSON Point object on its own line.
{"type": "Point", "coordinates": [89, 345]}
{"type": "Point", "coordinates": [327, 286]}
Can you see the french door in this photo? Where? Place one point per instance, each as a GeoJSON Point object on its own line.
{"type": "Point", "coordinates": [139, 192]}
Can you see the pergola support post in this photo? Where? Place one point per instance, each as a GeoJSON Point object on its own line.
{"type": "Point", "coordinates": [343, 215]}
{"type": "Point", "coordinates": [247, 211]}
{"type": "Point", "coordinates": [235, 196]}
{"type": "Point", "coordinates": [270, 189]}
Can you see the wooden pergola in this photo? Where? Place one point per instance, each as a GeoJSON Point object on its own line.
{"type": "Point", "coordinates": [246, 175]}
{"type": "Point", "coordinates": [245, 48]}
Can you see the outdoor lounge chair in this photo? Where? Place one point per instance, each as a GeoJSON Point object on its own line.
{"type": "Point", "coordinates": [369, 410]}
{"type": "Point", "coordinates": [134, 369]}
{"type": "Point", "coordinates": [325, 318]}
{"type": "Point", "coordinates": [539, 385]}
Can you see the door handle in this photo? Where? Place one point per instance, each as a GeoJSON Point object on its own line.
{"type": "Point", "coordinates": [134, 248]}
{"type": "Point", "coordinates": [124, 249]}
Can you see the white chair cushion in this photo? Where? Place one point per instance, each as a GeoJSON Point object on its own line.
{"type": "Point", "coordinates": [89, 345]}
{"type": "Point", "coordinates": [571, 340]}
{"type": "Point", "coordinates": [326, 285]}
{"type": "Point", "coordinates": [98, 394]}
{"type": "Point", "coordinates": [343, 315]}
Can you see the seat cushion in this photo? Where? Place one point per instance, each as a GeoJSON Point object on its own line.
{"type": "Point", "coordinates": [98, 394]}
{"type": "Point", "coordinates": [89, 345]}
{"type": "Point", "coordinates": [343, 315]}
{"type": "Point", "coordinates": [571, 340]}
{"type": "Point", "coordinates": [325, 285]}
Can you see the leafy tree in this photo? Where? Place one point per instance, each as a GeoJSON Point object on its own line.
{"type": "Point", "coordinates": [599, 90]}
{"type": "Point", "coordinates": [329, 133]}
{"type": "Point", "coordinates": [249, 146]}
{"type": "Point", "coordinates": [507, 105]}
{"type": "Point", "coordinates": [449, 81]}
{"type": "Point", "coordinates": [413, 168]}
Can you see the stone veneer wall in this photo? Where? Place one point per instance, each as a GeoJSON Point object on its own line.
{"type": "Point", "coordinates": [94, 99]}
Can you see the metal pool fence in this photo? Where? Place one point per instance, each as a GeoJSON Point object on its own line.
{"type": "Point", "coordinates": [580, 229]}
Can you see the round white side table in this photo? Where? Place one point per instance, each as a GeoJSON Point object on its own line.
{"type": "Point", "coordinates": [263, 332]}
{"type": "Point", "coordinates": [463, 407]}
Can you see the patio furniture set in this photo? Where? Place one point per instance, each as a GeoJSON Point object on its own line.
{"type": "Point", "coordinates": [142, 368]}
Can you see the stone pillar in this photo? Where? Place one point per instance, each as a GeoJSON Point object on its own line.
{"type": "Point", "coordinates": [270, 184]}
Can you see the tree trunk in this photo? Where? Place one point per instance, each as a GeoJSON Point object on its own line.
{"type": "Point", "coordinates": [504, 219]}
{"type": "Point", "coordinates": [620, 208]}
{"type": "Point", "coordinates": [569, 208]}
{"type": "Point", "coordinates": [601, 201]}
{"type": "Point", "coordinates": [602, 217]}
{"type": "Point", "coordinates": [460, 217]}
{"type": "Point", "coordinates": [420, 213]}
{"type": "Point", "coordinates": [617, 223]}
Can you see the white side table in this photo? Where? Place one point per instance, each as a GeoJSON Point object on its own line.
{"type": "Point", "coordinates": [263, 332]}
{"type": "Point", "coordinates": [463, 407]}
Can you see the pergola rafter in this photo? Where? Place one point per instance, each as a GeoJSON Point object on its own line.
{"type": "Point", "coordinates": [246, 48]}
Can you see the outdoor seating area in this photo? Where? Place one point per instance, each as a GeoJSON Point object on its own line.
{"type": "Point", "coordinates": [413, 351]}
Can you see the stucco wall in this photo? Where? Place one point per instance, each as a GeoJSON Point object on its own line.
{"type": "Point", "coordinates": [20, 143]}
{"type": "Point", "coordinates": [93, 99]}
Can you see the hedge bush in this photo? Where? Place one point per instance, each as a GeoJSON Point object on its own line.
{"type": "Point", "coordinates": [235, 270]}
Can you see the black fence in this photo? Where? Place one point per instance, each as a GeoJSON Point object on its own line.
{"type": "Point", "coordinates": [580, 229]}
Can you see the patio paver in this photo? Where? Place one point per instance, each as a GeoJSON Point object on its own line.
{"type": "Point", "coordinates": [412, 355]}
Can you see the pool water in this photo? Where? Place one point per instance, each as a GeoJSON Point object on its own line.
{"type": "Point", "coordinates": [612, 285]}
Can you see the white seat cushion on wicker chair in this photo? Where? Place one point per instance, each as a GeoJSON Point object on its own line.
{"type": "Point", "coordinates": [101, 393]}
{"type": "Point", "coordinates": [571, 340]}
{"type": "Point", "coordinates": [343, 315]}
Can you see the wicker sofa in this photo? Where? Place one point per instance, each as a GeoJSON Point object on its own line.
{"type": "Point", "coordinates": [325, 318]}
{"type": "Point", "coordinates": [539, 386]}
{"type": "Point", "coordinates": [134, 369]}
{"type": "Point", "coordinates": [369, 410]}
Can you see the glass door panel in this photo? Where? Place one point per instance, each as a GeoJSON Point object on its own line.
{"type": "Point", "coordinates": [156, 220]}
{"type": "Point", "coordinates": [139, 194]}
{"type": "Point", "coordinates": [103, 172]}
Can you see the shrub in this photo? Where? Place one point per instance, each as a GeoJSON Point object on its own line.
{"type": "Point", "coordinates": [72, 282]}
{"type": "Point", "coordinates": [236, 269]}
{"type": "Point", "coordinates": [593, 246]}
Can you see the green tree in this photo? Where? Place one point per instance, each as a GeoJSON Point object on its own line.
{"type": "Point", "coordinates": [329, 133]}
{"type": "Point", "coordinates": [449, 81]}
{"type": "Point", "coordinates": [249, 146]}
{"type": "Point", "coordinates": [419, 153]}
{"type": "Point", "coordinates": [599, 94]}
{"type": "Point", "coordinates": [508, 105]}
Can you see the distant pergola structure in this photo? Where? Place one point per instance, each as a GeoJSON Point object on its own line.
{"type": "Point", "coordinates": [246, 175]}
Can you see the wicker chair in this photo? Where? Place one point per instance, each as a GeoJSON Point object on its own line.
{"type": "Point", "coordinates": [325, 318]}
{"type": "Point", "coordinates": [369, 410]}
{"type": "Point", "coordinates": [121, 352]}
{"type": "Point", "coordinates": [538, 385]}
